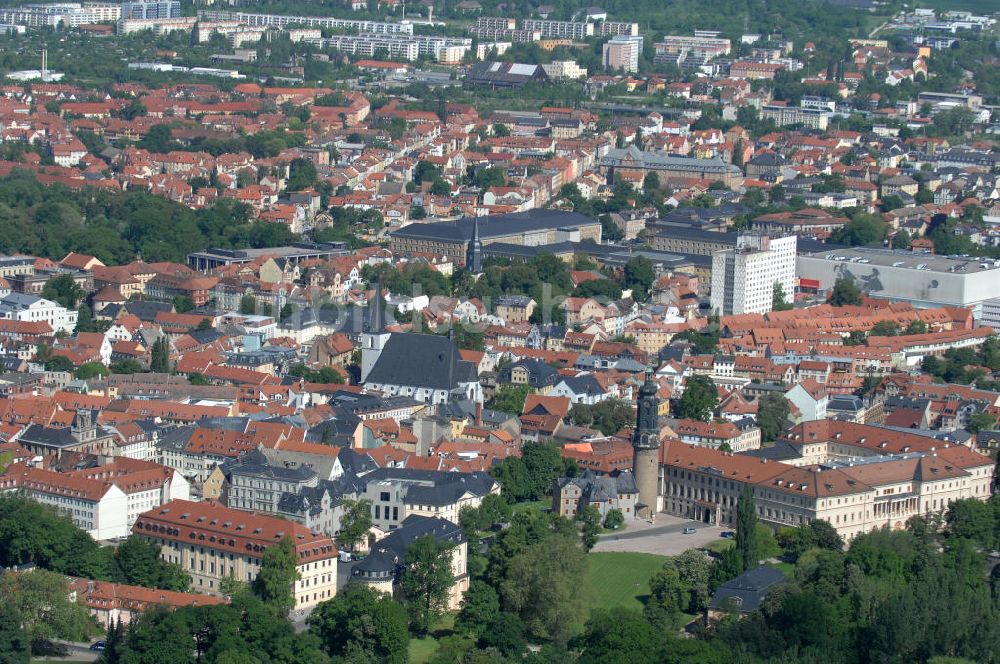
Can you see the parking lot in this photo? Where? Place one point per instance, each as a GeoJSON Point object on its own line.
{"type": "Point", "coordinates": [665, 537]}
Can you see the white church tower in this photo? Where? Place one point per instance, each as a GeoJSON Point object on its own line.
{"type": "Point", "coordinates": [375, 336]}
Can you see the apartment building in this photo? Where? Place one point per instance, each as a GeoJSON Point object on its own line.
{"type": "Point", "coordinates": [737, 437]}
{"type": "Point", "coordinates": [617, 28]}
{"type": "Point", "coordinates": [329, 22]}
{"type": "Point", "coordinates": [622, 53]}
{"type": "Point", "coordinates": [699, 47]}
{"type": "Point", "coordinates": [744, 277]}
{"type": "Point", "coordinates": [211, 543]}
{"type": "Point", "coordinates": [110, 603]}
{"type": "Point", "coordinates": [559, 29]}
{"type": "Point", "coordinates": [813, 118]}
{"type": "Point", "coordinates": [151, 9]}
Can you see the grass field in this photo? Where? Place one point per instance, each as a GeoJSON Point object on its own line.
{"type": "Point", "coordinates": [536, 505]}
{"type": "Point", "coordinates": [620, 579]}
{"type": "Point", "coordinates": [421, 650]}
{"type": "Point", "coordinates": [974, 6]}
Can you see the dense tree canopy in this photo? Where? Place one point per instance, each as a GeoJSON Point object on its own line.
{"type": "Point", "coordinates": [52, 220]}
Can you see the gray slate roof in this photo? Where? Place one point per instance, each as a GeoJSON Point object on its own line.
{"type": "Point", "coordinates": [421, 360]}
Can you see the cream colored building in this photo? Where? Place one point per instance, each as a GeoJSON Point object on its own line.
{"type": "Point", "coordinates": [909, 476]}
{"type": "Point", "coordinates": [211, 543]}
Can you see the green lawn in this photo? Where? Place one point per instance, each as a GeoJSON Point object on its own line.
{"type": "Point", "coordinates": [719, 545]}
{"type": "Point", "coordinates": [620, 579]}
{"type": "Point", "coordinates": [535, 505]}
{"type": "Point", "coordinates": [421, 650]}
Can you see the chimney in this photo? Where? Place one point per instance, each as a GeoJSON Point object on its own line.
{"type": "Point", "coordinates": [479, 414]}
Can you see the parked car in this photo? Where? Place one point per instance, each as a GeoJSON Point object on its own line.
{"type": "Point", "coordinates": [345, 556]}
{"type": "Point", "coordinates": [728, 534]}
{"type": "Point", "coordinates": [690, 531]}
{"type": "Point", "coordinates": [98, 646]}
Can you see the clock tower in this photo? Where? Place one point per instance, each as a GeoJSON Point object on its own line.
{"type": "Point", "coordinates": [646, 446]}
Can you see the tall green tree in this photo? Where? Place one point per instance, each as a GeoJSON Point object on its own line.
{"type": "Point", "coordinates": [362, 620]}
{"type": "Point", "coordinates": [542, 585]}
{"type": "Point", "coordinates": [772, 415]}
{"type": "Point", "coordinates": [699, 400]}
{"type": "Point", "coordinates": [356, 522]}
{"type": "Point", "coordinates": [480, 609]}
{"type": "Point", "coordinates": [275, 581]}
{"type": "Point", "coordinates": [138, 563]}
{"type": "Point", "coordinates": [64, 290]}
{"type": "Point", "coordinates": [844, 292]}
{"type": "Point", "coordinates": [42, 600]}
{"type": "Point", "coordinates": [426, 581]}
{"type": "Point", "coordinates": [160, 356]}
{"type": "Point", "coordinates": [779, 301]}
{"type": "Point", "coordinates": [590, 526]}
{"type": "Point", "coordinates": [639, 276]}
{"type": "Point", "coordinates": [746, 529]}
{"type": "Point", "coordinates": [15, 644]}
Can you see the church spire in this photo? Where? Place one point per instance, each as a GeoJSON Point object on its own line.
{"type": "Point", "coordinates": [376, 314]}
{"type": "Point", "coordinates": [474, 252]}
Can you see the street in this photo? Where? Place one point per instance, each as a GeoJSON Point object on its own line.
{"type": "Point", "coordinates": [665, 537]}
{"type": "Point", "coordinates": [78, 652]}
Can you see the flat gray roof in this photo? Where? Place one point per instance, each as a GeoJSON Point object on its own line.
{"type": "Point", "coordinates": [906, 259]}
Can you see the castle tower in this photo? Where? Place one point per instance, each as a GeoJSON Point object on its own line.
{"type": "Point", "coordinates": [474, 252]}
{"type": "Point", "coordinates": [375, 336]}
{"type": "Point", "coordinates": [646, 446]}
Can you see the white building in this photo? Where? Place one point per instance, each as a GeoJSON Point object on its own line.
{"type": "Point", "coordinates": [622, 53]}
{"type": "Point", "coordinates": [105, 500]}
{"type": "Point", "coordinates": [743, 278]}
{"type": "Point", "coordinates": [18, 306]}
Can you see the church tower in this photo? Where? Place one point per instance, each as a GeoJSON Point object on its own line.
{"type": "Point", "coordinates": [375, 336]}
{"type": "Point", "coordinates": [474, 252]}
{"type": "Point", "coordinates": [646, 446]}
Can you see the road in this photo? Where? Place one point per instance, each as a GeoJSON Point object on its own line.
{"type": "Point", "coordinates": [78, 652]}
{"type": "Point", "coordinates": [665, 537]}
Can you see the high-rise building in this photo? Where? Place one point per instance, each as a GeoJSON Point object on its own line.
{"type": "Point", "coordinates": [646, 449]}
{"type": "Point", "coordinates": [622, 53]}
{"type": "Point", "coordinates": [744, 278]}
{"type": "Point", "coordinates": [151, 9]}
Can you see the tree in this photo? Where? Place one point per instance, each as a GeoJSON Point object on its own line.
{"type": "Point", "coordinates": [183, 304]}
{"type": "Point", "coordinates": [699, 400]}
{"type": "Point", "coordinates": [440, 187]}
{"type": "Point", "coordinates": [274, 582]}
{"type": "Point", "coordinates": [844, 292]}
{"type": "Point", "coordinates": [356, 522]}
{"type": "Point", "coordinates": [126, 367]}
{"type": "Point", "coordinates": [614, 519]}
{"type": "Point", "coordinates": [480, 609]}
{"type": "Point", "coordinates": [505, 634]}
{"type": "Point", "coordinates": [160, 356]}
{"type": "Point", "coordinates": [301, 175]}
{"type": "Point", "coordinates": [772, 415]}
{"type": "Point", "coordinates": [287, 309]}
{"type": "Point", "coordinates": [639, 276]}
{"type": "Point", "coordinates": [59, 363]}
{"type": "Point", "coordinates": [362, 620]}
{"type": "Point", "coordinates": [778, 302]}
{"type": "Point", "coordinates": [42, 600]}
{"type": "Point", "coordinates": [981, 421]}
{"type": "Point", "coordinates": [916, 327]}
{"type": "Point", "coordinates": [248, 305]}
{"type": "Point", "coordinates": [651, 182]}
{"type": "Point", "coordinates": [426, 580]}
{"type": "Point", "coordinates": [510, 398]}
{"type": "Point", "coordinates": [620, 637]}
{"type": "Point", "coordinates": [542, 586]}
{"type": "Point", "coordinates": [609, 415]}
{"type": "Point", "coordinates": [15, 644]}
{"type": "Point", "coordinates": [590, 525]}
{"type": "Point", "coordinates": [746, 529]}
{"type": "Point", "coordinates": [902, 239]}
{"type": "Point", "coordinates": [63, 290]}
{"type": "Point", "coordinates": [138, 563]}
{"type": "Point", "coordinates": [884, 328]}
{"type": "Point", "coordinates": [89, 370]}
{"type": "Point", "coordinates": [204, 324]}
{"type": "Point", "coordinates": [863, 229]}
